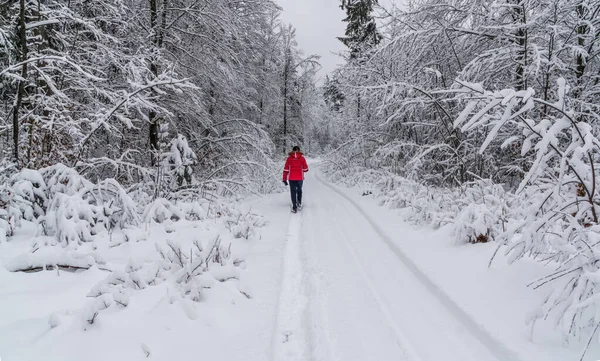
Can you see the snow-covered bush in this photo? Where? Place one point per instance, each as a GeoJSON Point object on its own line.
{"type": "Point", "coordinates": [71, 219]}
{"type": "Point", "coordinates": [178, 163]}
{"type": "Point", "coordinates": [189, 271]}
{"type": "Point", "coordinates": [119, 207]}
{"type": "Point", "coordinates": [430, 205]}
{"type": "Point", "coordinates": [10, 212]}
{"type": "Point", "coordinates": [475, 224]}
{"type": "Point", "coordinates": [162, 209]}
{"type": "Point", "coordinates": [242, 225]}
{"type": "Point", "coordinates": [560, 224]}
{"type": "Point", "coordinates": [481, 211]}
{"type": "Point", "coordinates": [31, 193]}
{"type": "Point", "coordinates": [77, 209]}
{"type": "Point", "coordinates": [65, 205]}
{"type": "Point", "coordinates": [35, 189]}
{"type": "Point", "coordinates": [59, 178]}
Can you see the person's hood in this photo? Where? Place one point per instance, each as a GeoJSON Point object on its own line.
{"type": "Point", "coordinates": [295, 154]}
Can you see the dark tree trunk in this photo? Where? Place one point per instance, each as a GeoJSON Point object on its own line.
{"type": "Point", "coordinates": [581, 31]}
{"type": "Point", "coordinates": [286, 71]}
{"type": "Point", "coordinates": [519, 17]}
{"type": "Point", "coordinates": [21, 87]}
{"type": "Point", "coordinates": [153, 136]}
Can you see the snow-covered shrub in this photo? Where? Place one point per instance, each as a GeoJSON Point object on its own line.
{"type": "Point", "coordinates": [31, 192]}
{"type": "Point", "coordinates": [65, 205]}
{"type": "Point", "coordinates": [186, 268]}
{"type": "Point", "coordinates": [72, 219]}
{"type": "Point", "coordinates": [475, 224]}
{"type": "Point", "coordinates": [120, 209]}
{"type": "Point", "coordinates": [162, 209]}
{"type": "Point", "coordinates": [62, 179]}
{"type": "Point", "coordinates": [178, 162]}
{"type": "Point", "coordinates": [78, 210]}
{"type": "Point", "coordinates": [242, 225]}
{"type": "Point", "coordinates": [481, 208]}
{"type": "Point", "coordinates": [434, 206]}
{"type": "Point", "coordinates": [561, 222]}
{"type": "Point", "coordinates": [36, 188]}
{"type": "Point", "coordinates": [189, 271]}
{"type": "Point", "coordinates": [10, 212]}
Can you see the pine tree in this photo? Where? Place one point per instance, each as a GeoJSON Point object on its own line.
{"type": "Point", "coordinates": [361, 31]}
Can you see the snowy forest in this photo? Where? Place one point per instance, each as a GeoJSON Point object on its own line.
{"type": "Point", "coordinates": [133, 127]}
{"type": "Point", "coordinates": [140, 91]}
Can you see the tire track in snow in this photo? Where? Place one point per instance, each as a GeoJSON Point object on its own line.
{"type": "Point", "coordinates": [321, 340]}
{"type": "Point", "coordinates": [347, 323]}
{"type": "Point", "coordinates": [290, 338]}
{"type": "Point", "coordinates": [402, 340]}
{"type": "Point", "coordinates": [496, 348]}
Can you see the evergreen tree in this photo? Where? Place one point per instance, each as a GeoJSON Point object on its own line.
{"type": "Point", "coordinates": [361, 31]}
{"type": "Point", "coordinates": [334, 98]}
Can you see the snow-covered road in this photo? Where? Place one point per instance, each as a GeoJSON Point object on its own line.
{"type": "Point", "coordinates": [344, 280]}
{"type": "Point", "coordinates": [348, 294]}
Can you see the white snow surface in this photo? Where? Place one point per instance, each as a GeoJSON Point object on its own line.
{"type": "Point", "coordinates": [344, 279]}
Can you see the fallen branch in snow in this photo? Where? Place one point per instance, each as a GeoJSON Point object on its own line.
{"type": "Point", "coordinates": [64, 267]}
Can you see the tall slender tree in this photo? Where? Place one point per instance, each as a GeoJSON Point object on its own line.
{"type": "Point", "coordinates": [361, 31]}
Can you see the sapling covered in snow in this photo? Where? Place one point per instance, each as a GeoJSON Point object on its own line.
{"type": "Point", "coordinates": [178, 162]}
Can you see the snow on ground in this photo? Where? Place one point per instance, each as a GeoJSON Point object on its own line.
{"type": "Point", "coordinates": [43, 315]}
{"type": "Point", "coordinates": [495, 298]}
{"type": "Point", "coordinates": [344, 279]}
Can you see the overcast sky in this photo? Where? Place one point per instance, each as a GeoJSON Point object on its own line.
{"type": "Point", "coordinates": [317, 23]}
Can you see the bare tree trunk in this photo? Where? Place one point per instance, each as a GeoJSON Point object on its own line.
{"type": "Point", "coordinates": [581, 31]}
{"type": "Point", "coordinates": [286, 71]}
{"type": "Point", "coordinates": [519, 17]}
{"type": "Point", "coordinates": [153, 136]}
{"type": "Point", "coordinates": [547, 75]}
{"type": "Point", "coordinates": [21, 89]}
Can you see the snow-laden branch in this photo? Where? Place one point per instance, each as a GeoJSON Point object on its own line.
{"type": "Point", "coordinates": [62, 59]}
{"type": "Point", "coordinates": [37, 24]}
{"type": "Point", "coordinates": [103, 122]}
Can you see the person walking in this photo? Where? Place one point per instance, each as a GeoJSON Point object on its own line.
{"type": "Point", "coordinates": [293, 171]}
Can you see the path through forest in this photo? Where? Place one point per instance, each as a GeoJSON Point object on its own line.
{"type": "Point", "coordinates": [347, 293]}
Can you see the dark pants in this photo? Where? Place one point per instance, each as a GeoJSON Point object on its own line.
{"type": "Point", "coordinates": [296, 190]}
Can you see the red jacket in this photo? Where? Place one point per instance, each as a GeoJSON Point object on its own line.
{"type": "Point", "coordinates": [294, 168]}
